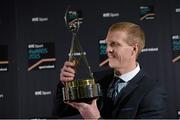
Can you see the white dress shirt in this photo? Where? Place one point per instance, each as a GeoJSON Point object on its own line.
{"type": "Point", "coordinates": [129, 75]}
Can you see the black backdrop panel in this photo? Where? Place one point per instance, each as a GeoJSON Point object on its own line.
{"type": "Point", "coordinates": [42, 21]}
{"type": "Point", "coordinates": [8, 79]}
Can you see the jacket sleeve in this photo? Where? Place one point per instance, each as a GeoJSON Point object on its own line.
{"type": "Point", "coordinates": [60, 109]}
{"type": "Point", "coordinates": [154, 103]}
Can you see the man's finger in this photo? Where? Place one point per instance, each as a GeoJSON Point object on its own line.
{"type": "Point", "coordinates": [69, 64]}
{"type": "Point", "coordinates": [94, 102]}
{"type": "Point", "coordinates": [68, 69]}
{"type": "Point", "coordinates": [73, 104]}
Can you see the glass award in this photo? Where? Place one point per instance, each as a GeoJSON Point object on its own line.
{"type": "Point", "coordinates": [83, 88]}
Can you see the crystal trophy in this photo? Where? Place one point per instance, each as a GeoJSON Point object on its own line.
{"type": "Point", "coordinates": [83, 88]}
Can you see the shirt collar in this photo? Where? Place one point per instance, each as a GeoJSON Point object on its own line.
{"type": "Point", "coordinates": [129, 75]}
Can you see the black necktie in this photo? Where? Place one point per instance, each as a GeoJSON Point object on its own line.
{"type": "Point", "coordinates": [115, 87]}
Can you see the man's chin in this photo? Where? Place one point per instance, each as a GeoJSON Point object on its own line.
{"type": "Point", "coordinates": [111, 65]}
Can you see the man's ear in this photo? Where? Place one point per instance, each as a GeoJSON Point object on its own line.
{"type": "Point", "coordinates": [135, 49]}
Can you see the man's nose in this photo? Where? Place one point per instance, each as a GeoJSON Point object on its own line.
{"type": "Point", "coordinates": [109, 49]}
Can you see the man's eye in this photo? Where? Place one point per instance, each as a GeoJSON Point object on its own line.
{"type": "Point", "coordinates": [114, 44]}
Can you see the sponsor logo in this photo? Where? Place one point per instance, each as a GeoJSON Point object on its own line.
{"type": "Point", "coordinates": [35, 45]}
{"type": "Point", "coordinates": [42, 93]}
{"type": "Point", "coordinates": [1, 95]}
{"type": "Point", "coordinates": [177, 10]}
{"type": "Point", "coordinates": [178, 114]}
{"type": "Point", "coordinates": [3, 69]}
{"type": "Point", "coordinates": [46, 67]}
{"type": "Point", "coordinates": [150, 50]}
{"type": "Point", "coordinates": [175, 48]}
{"type": "Point", "coordinates": [41, 56]}
{"type": "Point", "coordinates": [110, 15]}
{"type": "Point", "coordinates": [102, 53]}
{"type": "Point", "coordinates": [147, 12]}
{"type": "Point", "coordinates": [176, 37]}
{"type": "Point", "coordinates": [102, 41]}
{"type": "Point", "coordinates": [102, 47]}
{"type": "Point", "coordinates": [39, 19]}
{"type": "Point", "coordinates": [4, 58]}
{"type": "Point", "coordinates": [77, 54]}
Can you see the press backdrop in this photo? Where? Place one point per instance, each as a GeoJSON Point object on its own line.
{"type": "Point", "coordinates": [26, 90]}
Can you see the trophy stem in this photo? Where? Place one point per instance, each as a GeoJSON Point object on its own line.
{"type": "Point", "coordinates": [72, 47]}
{"type": "Point", "coordinates": [75, 45]}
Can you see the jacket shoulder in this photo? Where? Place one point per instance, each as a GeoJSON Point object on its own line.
{"type": "Point", "coordinates": [103, 77]}
{"type": "Point", "coordinates": [153, 104]}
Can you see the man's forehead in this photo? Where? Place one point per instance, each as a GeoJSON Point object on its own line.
{"type": "Point", "coordinates": [116, 34]}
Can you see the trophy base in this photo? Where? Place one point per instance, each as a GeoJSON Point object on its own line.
{"type": "Point", "coordinates": [81, 91]}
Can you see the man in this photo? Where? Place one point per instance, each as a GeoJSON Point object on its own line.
{"type": "Point", "coordinates": [132, 95]}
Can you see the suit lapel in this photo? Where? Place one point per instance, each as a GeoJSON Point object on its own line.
{"type": "Point", "coordinates": [132, 84]}
{"type": "Point", "coordinates": [124, 93]}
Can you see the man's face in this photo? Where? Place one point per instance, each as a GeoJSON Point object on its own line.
{"type": "Point", "coordinates": [120, 54]}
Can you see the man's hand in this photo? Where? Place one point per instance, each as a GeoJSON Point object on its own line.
{"type": "Point", "coordinates": [87, 111]}
{"type": "Point", "coordinates": [67, 72]}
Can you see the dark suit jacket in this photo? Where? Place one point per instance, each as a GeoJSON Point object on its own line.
{"type": "Point", "coordinates": [141, 98]}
